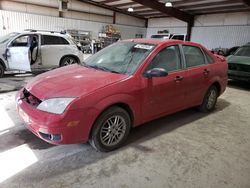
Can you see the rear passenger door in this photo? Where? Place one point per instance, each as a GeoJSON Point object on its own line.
{"type": "Point", "coordinates": [198, 74]}
{"type": "Point", "coordinates": [53, 48]}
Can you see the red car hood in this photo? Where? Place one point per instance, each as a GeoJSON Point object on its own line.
{"type": "Point", "coordinates": [74, 80]}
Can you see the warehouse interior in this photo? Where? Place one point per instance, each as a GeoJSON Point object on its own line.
{"type": "Point", "coordinates": [183, 149]}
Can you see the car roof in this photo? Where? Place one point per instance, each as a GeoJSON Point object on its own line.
{"type": "Point", "coordinates": [52, 33]}
{"type": "Point", "coordinates": [161, 42]}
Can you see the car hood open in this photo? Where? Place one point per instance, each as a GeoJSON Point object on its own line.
{"type": "Point", "coordinates": [244, 60]}
{"type": "Point", "coordinates": [71, 81]}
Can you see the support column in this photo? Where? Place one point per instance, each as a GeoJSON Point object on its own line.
{"type": "Point", "coordinates": [114, 17]}
{"type": "Point", "coordinates": [189, 29]}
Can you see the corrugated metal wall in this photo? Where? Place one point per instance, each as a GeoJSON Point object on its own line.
{"type": "Point", "coordinates": [17, 15]}
{"type": "Point", "coordinates": [216, 30]}
{"type": "Point", "coordinates": [129, 20]}
{"type": "Point", "coordinates": [222, 30]}
{"type": "Point", "coordinates": [171, 24]}
{"type": "Point", "coordinates": [17, 21]}
{"type": "Point", "coordinates": [153, 31]}
{"type": "Point", "coordinates": [221, 36]}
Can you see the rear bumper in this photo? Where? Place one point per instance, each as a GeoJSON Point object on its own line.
{"type": "Point", "coordinates": [67, 128]}
{"type": "Point", "coordinates": [239, 75]}
{"type": "Point", "coordinates": [224, 85]}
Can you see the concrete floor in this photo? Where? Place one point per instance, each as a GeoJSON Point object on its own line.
{"type": "Point", "coordinates": [187, 149]}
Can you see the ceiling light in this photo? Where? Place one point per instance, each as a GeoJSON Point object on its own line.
{"type": "Point", "coordinates": [168, 4]}
{"type": "Point", "coordinates": [130, 9]}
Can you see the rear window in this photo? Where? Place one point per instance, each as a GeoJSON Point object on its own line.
{"type": "Point", "coordinates": [53, 40]}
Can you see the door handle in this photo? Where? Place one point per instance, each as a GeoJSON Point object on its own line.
{"type": "Point", "coordinates": [206, 71]}
{"type": "Point", "coordinates": [178, 78]}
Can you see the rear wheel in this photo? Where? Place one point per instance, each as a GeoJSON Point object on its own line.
{"type": "Point", "coordinates": [111, 129]}
{"type": "Point", "coordinates": [210, 99]}
{"type": "Point", "coordinates": [68, 60]}
{"type": "Point", "coordinates": [1, 70]}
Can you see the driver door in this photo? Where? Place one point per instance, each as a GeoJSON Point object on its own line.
{"type": "Point", "coordinates": [18, 53]}
{"type": "Point", "coordinates": [165, 95]}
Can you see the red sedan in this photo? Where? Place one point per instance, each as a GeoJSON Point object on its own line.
{"type": "Point", "coordinates": [122, 86]}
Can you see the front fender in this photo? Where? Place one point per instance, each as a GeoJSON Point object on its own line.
{"type": "Point", "coordinates": [97, 109]}
{"type": "Point", "coordinates": [126, 99]}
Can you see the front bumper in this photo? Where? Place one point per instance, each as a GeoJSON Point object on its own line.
{"type": "Point", "coordinates": [66, 128]}
{"type": "Point", "coordinates": [239, 75]}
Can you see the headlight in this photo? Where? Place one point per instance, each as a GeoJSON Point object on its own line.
{"type": "Point", "coordinates": [55, 105]}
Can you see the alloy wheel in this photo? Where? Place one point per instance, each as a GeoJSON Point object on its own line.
{"type": "Point", "coordinates": [113, 130]}
{"type": "Point", "coordinates": [211, 99]}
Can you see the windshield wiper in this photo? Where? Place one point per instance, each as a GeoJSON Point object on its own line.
{"type": "Point", "coordinates": [101, 68]}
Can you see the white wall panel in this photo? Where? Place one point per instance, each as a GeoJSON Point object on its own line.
{"type": "Point", "coordinates": [222, 30]}
{"type": "Point", "coordinates": [242, 18]}
{"type": "Point", "coordinates": [86, 16]}
{"type": "Point", "coordinates": [128, 32]}
{"type": "Point", "coordinates": [28, 8]}
{"type": "Point", "coordinates": [85, 7]}
{"type": "Point", "coordinates": [76, 10]}
{"type": "Point", "coordinates": [72, 5]}
{"type": "Point", "coordinates": [129, 20]}
{"type": "Point", "coordinates": [221, 36]}
{"type": "Point", "coordinates": [49, 3]}
{"type": "Point", "coordinates": [17, 21]}
{"type": "Point", "coordinates": [213, 30]}
{"type": "Point", "coordinates": [166, 22]}
{"type": "Point", "coordinates": [171, 24]}
{"type": "Point", "coordinates": [177, 30]}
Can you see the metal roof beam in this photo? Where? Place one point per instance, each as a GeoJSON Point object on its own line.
{"type": "Point", "coordinates": [167, 10]}
{"type": "Point", "coordinates": [99, 4]}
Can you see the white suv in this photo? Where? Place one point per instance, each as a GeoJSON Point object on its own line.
{"type": "Point", "coordinates": [37, 50]}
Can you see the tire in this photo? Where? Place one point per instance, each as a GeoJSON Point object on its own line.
{"type": "Point", "coordinates": [110, 130]}
{"type": "Point", "coordinates": [1, 70]}
{"type": "Point", "coordinates": [68, 60]}
{"type": "Point", "coordinates": [209, 100]}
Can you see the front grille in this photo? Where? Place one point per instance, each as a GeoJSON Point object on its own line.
{"type": "Point", "coordinates": [239, 67]}
{"type": "Point", "coordinates": [30, 99]}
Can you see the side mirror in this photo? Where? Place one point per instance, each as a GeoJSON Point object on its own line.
{"type": "Point", "coordinates": [156, 72]}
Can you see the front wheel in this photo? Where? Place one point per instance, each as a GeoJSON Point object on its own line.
{"type": "Point", "coordinates": [68, 60]}
{"type": "Point", "coordinates": [209, 100]}
{"type": "Point", "coordinates": [111, 129]}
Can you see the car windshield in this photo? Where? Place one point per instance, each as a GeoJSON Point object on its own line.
{"type": "Point", "coordinates": [121, 57]}
{"type": "Point", "coordinates": [7, 37]}
{"type": "Point", "coordinates": [243, 51]}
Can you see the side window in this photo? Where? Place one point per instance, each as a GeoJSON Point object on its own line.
{"type": "Point", "coordinates": [21, 41]}
{"type": "Point", "coordinates": [168, 59]}
{"type": "Point", "coordinates": [194, 56]}
{"type": "Point", "coordinates": [208, 57]}
{"type": "Point", "coordinates": [53, 40]}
